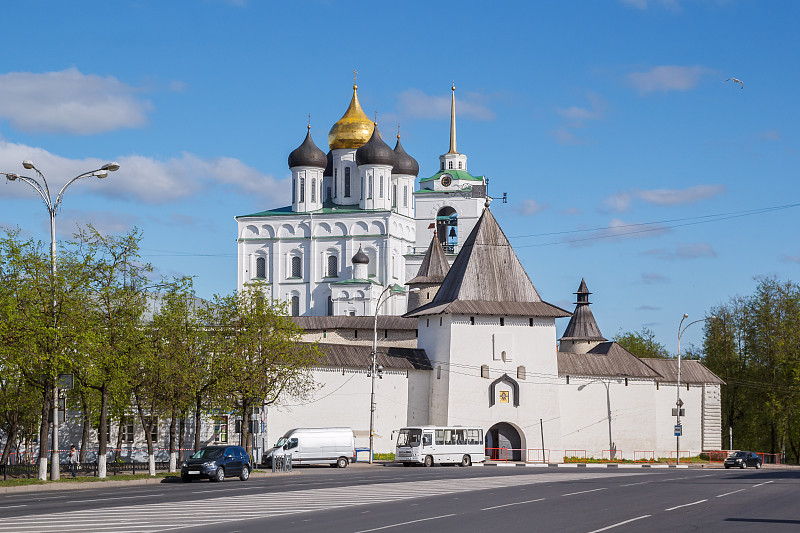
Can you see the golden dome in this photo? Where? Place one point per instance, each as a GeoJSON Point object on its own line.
{"type": "Point", "coordinates": [354, 128]}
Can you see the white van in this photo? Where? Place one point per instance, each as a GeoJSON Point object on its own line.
{"type": "Point", "coordinates": [315, 446]}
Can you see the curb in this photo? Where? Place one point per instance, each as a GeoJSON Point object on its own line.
{"type": "Point", "coordinates": [582, 465]}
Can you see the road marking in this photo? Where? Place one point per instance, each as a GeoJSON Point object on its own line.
{"type": "Point", "coordinates": [620, 523]}
{"type": "Point", "coordinates": [406, 523]}
{"type": "Point", "coordinates": [10, 506]}
{"type": "Point", "coordinates": [510, 504]}
{"type": "Point", "coordinates": [116, 498]}
{"type": "Point", "coordinates": [685, 505]}
{"type": "Point", "coordinates": [632, 484]}
{"type": "Point", "coordinates": [584, 491]}
{"type": "Point", "coordinates": [762, 483]}
{"type": "Point", "coordinates": [728, 493]}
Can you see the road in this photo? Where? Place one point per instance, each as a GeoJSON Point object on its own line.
{"type": "Point", "coordinates": [386, 498]}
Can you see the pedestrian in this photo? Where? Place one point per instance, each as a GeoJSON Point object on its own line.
{"type": "Point", "coordinates": [73, 459]}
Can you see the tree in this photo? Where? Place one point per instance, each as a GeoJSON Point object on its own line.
{"type": "Point", "coordinates": [642, 344]}
{"type": "Point", "coordinates": [755, 348]}
{"type": "Point", "coordinates": [260, 348]}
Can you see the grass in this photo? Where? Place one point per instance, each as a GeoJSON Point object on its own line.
{"type": "Point", "coordinates": [384, 457]}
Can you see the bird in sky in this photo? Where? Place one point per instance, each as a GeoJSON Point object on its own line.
{"type": "Point", "coordinates": [735, 80]}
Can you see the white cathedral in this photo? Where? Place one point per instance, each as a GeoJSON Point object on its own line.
{"type": "Point", "coordinates": [464, 337]}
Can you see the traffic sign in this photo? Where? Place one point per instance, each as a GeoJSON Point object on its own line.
{"type": "Point", "coordinates": [678, 430]}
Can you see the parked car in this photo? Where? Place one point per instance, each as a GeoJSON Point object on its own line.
{"type": "Point", "coordinates": [216, 463]}
{"type": "Point", "coordinates": [314, 446]}
{"type": "Point", "coordinates": [743, 460]}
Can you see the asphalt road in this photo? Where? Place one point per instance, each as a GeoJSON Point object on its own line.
{"type": "Point", "coordinates": [385, 498]}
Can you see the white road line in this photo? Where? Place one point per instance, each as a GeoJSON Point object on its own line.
{"type": "Point", "coordinates": [762, 483]}
{"type": "Point", "coordinates": [584, 491]}
{"type": "Point", "coordinates": [510, 504]}
{"type": "Point", "coordinates": [685, 505]}
{"type": "Point", "coordinates": [406, 523]}
{"type": "Point", "coordinates": [10, 506]}
{"type": "Point", "coordinates": [620, 523]}
{"type": "Point", "coordinates": [632, 484]}
{"type": "Point", "coordinates": [729, 493]}
{"type": "Point", "coordinates": [115, 498]}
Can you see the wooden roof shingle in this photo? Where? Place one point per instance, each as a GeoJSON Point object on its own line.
{"type": "Point", "coordinates": [692, 372]}
{"type": "Point", "coordinates": [434, 265]}
{"type": "Point", "coordinates": [607, 359]}
{"type": "Point", "coordinates": [360, 356]}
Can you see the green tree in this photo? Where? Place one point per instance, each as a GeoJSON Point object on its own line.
{"type": "Point", "coordinates": [261, 349]}
{"type": "Point", "coordinates": [642, 343]}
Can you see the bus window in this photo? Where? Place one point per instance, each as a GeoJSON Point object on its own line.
{"type": "Point", "coordinates": [427, 439]}
{"type": "Point", "coordinates": [439, 436]}
{"type": "Point", "coordinates": [474, 436]}
{"type": "Point", "coordinates": [409, 437]}
{"type": "Point", "coordinates": [460, 437]}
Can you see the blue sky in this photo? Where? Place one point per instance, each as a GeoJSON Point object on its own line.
{"type": "Point", "coordinates": [627, 158]}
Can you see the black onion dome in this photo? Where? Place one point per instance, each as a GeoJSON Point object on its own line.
{"type": "Point", "coordinates": [375, 151]}
{"type": "Point", "coordinates": [404, 163]}
{"type": "Point", "coordinates": [308, 155]}
{"type": "Point", "coordinates": [360, 258]}
{"type": "Point", "coordinates": [329, 166]}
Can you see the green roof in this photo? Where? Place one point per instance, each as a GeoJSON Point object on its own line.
{"type": "Point", "coordinates": [457, 175]}
{"type": "Point", "coordinates": [327, 209]}
{"type": "Point", "coordinates": [355, 282]}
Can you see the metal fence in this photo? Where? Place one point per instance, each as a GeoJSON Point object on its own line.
{"type": "Point", "coordinates": [282, 463]}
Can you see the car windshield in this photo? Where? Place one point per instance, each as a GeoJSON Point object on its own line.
{"type": "Point", "coordinates": [281, 442]}
{"type": "Point", "coordinates": [740, 454]}
{"type": "Point", "coordinates": [409, 437]}
{"type": "Point", "coordinates": [208, 453]}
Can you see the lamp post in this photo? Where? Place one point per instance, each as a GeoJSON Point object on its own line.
{"type": "Point", "coordinates": [374, 369]}
{"type": "Point", "coordinates": [679, 402]}
{"type": "Point", "coordinates": [52, 208]}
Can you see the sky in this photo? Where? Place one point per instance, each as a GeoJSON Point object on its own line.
{"type": "Point", "coordinates": [628, 156]}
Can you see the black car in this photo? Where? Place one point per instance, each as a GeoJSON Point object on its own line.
{"type": "Point", "coordinates": [216, 463]}
{"type": "Point", "coordinates": [743, 460]}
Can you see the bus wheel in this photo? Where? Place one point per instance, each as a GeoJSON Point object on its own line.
{"type": "Point", "coordinates": [428, 460]}
{"type": "Point", "coordinates": [465, 461]}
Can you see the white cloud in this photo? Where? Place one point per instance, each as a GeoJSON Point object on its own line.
{"type": "Point", "coordinates": [791, 258]}
{"type": "Point", "coordinates": [415, 103]}
{"type": "Point", "coordinates": [572, 211]}
{"type": "Point", "coordinates": [149, 180]}
{"type": "Point", "coordinates": [652, 278]}
{"type": "Point", "coordinates": [648, 308]}
{"type": "Point", "coordinates": [622, 201]}
{"type": "Point", "coordinates": [576, 117]}
{"type": "Point", "coordinates": [530, 207]}
{"type": "Point", "coordinates": [667, 78]}
{"type": "Point", "coordinates": [69, 102]}
{"type": "Point", "coordinates": [698, 250]}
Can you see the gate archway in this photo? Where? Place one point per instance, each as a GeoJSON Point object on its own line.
{"type": "Point", "coordinates": [503, 435]}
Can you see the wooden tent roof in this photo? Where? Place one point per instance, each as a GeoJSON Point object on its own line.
{"type": "Point", "coordinates": [607, 359]}
{"type": "Point", "coordinates": [434, 265]}
{"type": "Point", "coordinates": [487, 278]}
{"type": "Point", "coordinates": [582, 326]}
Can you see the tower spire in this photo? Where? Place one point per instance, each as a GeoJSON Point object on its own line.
{"type": "Point", "coordinates": [453, 122]}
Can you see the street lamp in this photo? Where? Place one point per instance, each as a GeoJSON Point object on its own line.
{"type": "Point", "coordinates": [679, 402]}
{"type": "Point", "coordinates": [375, 369]}
{"type": "Point", "coordinates": [52, 208]}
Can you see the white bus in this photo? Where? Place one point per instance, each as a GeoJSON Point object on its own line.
{"type": "Point", "coordinates": [434, 444]}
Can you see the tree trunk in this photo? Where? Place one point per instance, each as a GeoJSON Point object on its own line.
{"type": "Point", "coordinates": [85, 430]}
{"type": "Point", "coordinates": [181, 436]}
{"type": "Point", "coordinates": [11, 435]}
{"type": "Point", "coordinates": [247, 441]}
{"type": "Point", "coordinates": [102, 433]}
{"type": "Point", "coordinates": [197, 424]}
{"type": "Point", "coordinates": [147, 426]}
{"type": "Point", "coordinates": [173, 460]}
{"type": "Point", "coordinates": [43, 431]}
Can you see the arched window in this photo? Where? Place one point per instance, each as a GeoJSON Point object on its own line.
{"type": "Point", "coordinates": [380, 186]}
{"type": "Point", "coordinates": [442, 165]}
{"type": "Point", "coordinates": [297, 267]}
{"type": "Point", "coordinates": [362, 187]}
{"type": "Point", "coordinates": [261, 268]}
{"type": "Point", "coordinates": [295, 305]}
{"type": "Point", "coordinates": [330, 306]}
{"type": "Point", "coordinates": [302, 189]}
{"type": "Point", "coordinates": [450, 165]}
{"type": "Point", "coordinates": [447, 228]}
{"type": "Point", "coordinates": [313, 189]}
{"type": "Point", "coordinates": [394, 195]}
{"type": "Point", "coordinates": [347, 182]}
{"type": "Point", "coordinates": [328, 190]}
{"type": "Point", "coordinates": [459, 164]}
{"type": "Point", "coordinates": [335, 183]}
{"type": "Point", "coordinates": [294, 191]}
{"type": "Point", "coordinates": [333, 266]}
{"type": "Point", "coordinates": [371, 183]}
{"type": "Point", "coordinates": [405, 195]}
